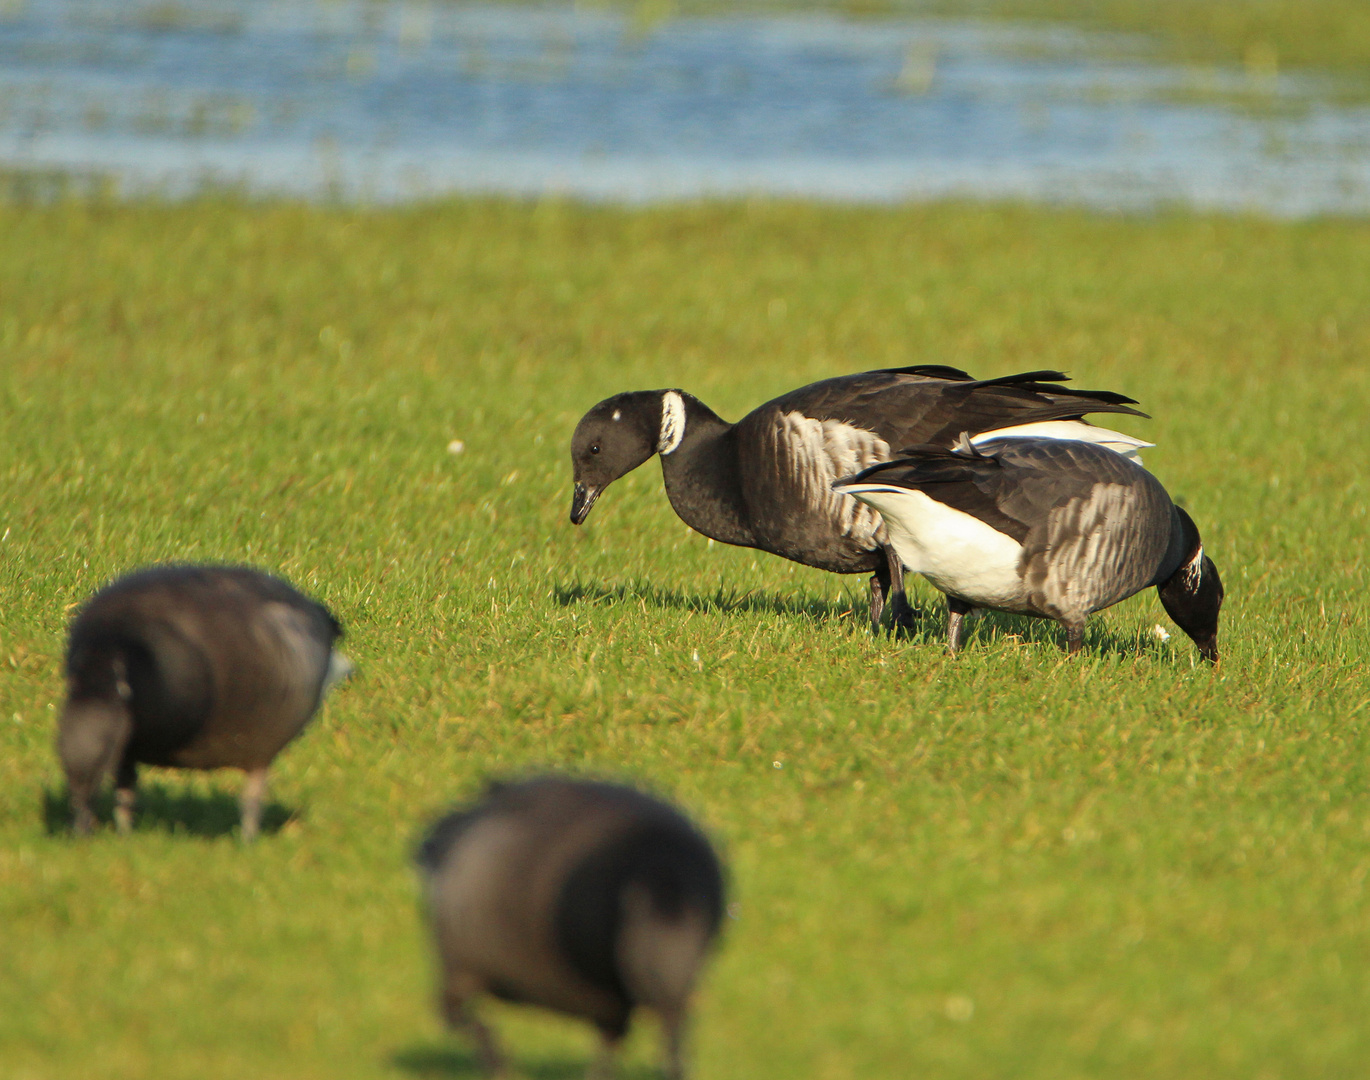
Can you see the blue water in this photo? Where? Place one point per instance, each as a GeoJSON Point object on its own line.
{"type": "Point", "coordinates": [390, 101]}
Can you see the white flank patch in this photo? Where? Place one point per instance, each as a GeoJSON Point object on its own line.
{"type": "Point", "coordinates": [821, 451]}
{"type": "Point", "coordinates": [672, 422]}
{"type": "Point", "coordinates": [1076, 430]}
{"type": "Point", "coordinates": [618, 414]}
{"type": "Point", "coordinates": [957, 552]}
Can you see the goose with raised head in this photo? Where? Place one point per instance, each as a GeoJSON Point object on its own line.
{"type": "Point", "coordinates": [766, 481]}
{"type": "Point", "coordinates": [1051, 528]}
{"type": "Point", "coordinates": [196, 667]}
{"type": "Point", "coordinates": [586, 898]}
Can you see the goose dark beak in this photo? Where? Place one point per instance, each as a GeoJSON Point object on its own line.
{"type": "Point", "coordinates": [582, 499]}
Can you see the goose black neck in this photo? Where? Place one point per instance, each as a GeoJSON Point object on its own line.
{"type": "Point", "coordinates": [1192, 594]}
{"type": "Point", "coordinates": [703, 478]}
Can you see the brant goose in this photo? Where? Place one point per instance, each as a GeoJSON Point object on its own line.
{"type": "Point", "coordinates": [585, 898]}
{"type": "Point", "coordinates": [200, 667]}
{"type": "Point", "coordinates": [1052, 528]}
{"type": "Point", "coordinates": [765, 482]}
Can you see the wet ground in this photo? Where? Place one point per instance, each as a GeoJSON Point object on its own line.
{"type": "Point", "coordinates": [390, 101]}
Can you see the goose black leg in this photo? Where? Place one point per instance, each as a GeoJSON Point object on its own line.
{"type": "Point", "coordinates": [603, 1066]}
{"type": "Point", "coordinates": [879, 584]}
{"type": "Point", "coordinates": [125, 795]}
{"type": "Point", "coordinates": [673, 1029]}
{"type": "Point", "coordinates": [82, 817]}
{"type": "Point", "coordinates": [456, 1006]}
{"type": "Point", "coordinates": [957, 610]}
{"type": "Point", "coordinates": [901, 613]}
{"type": "Point", "coordinates": [887, 584]}
{"type": "Point", "coordinates": [1075, 637]}
{"type": "Point", "coordinates": [254, 792]}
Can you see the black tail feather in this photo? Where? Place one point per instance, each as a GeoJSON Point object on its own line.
{"type": "Point", "coordinates": [1045, 375]}
{"type": "Point", "coordinates": [1047, 382]}
{"type": "Point", "coordinates": [931, 371]}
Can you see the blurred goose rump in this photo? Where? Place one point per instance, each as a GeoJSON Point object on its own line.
{"type": "Point", "coordinates": [1051, 528]}
{"type": "Point", "coordinates": [199, 667]}
{"type": "Point", "coordinates": [766, 481]}
{"type": "Point", "coordinates": [586, 898]}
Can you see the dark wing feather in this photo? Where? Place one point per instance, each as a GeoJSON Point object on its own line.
{"type": "Point", "coordinates": [267, 587]}
{"type": "Point", "coordinates": [442, 835]}
{"type": "Point", "coordinates": [933, 371]}
{"type": "Point", "coordinates": [1048, 473]}
{"type": "Point", "coordinates": [1103, 524]}
{"type": "Point", "coordinates": [1011, 486]}
{"type": "Point", "coordinates": [971, 483]}
{"type": "Point", "coordinates": [908, 406]}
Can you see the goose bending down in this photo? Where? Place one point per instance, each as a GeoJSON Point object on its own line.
{"type": "Point", "coordinates": [766, 481]}
{"type": "Point", "coordinates": [200, 667]}
{"type": "Point", "coordinates": [585, 898]}
{"type": "Point", "coordinates": [1051, 528]}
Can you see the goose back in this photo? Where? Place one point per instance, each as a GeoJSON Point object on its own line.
{"type": "Point", "coordinates": [530, 894]}
{"type": "Point", "coordinates": [222, 665]}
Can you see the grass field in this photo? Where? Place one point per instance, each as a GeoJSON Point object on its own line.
{"type": "Point", "coordinates": [1003, 865]}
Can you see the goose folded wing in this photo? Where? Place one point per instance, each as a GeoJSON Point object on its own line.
{"type": "Point", "coordinates": [862, 397]}
{"type": "Point", "coordinates": [990, 404]}
{"type": "Point", "coordinates": [1101, 523]}
{"type": "Point", "coordinates": [932, 405]}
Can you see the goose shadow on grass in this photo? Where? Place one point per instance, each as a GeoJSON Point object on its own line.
{"type": "Point", "coordinates": [435, 1062]}
{"type": "Point", "coordinates": [719, 602]}
{"type": "Point", "coordinates": [166, 809]}
{"type": "Point", "coordinates": [929, 623]}
{"type": "Point", "coordinates": [1101, 639]}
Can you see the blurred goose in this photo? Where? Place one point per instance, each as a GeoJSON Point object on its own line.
{"type": "Point", "coordinates": [199, 667]}
{"type": "Point", "coordinates": [1052, 528]}
{"type": "Point", "coordinates": [766, 481]}
{"type": "Point", "coordinates": [586, 898]}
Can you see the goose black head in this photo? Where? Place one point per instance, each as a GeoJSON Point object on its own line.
{"type": "Point", "coordinates": [1193, 594]}
{"type": "Point", "coordinates": [91, 736]}
{"type": "Point", "coordinates": [617, 436]}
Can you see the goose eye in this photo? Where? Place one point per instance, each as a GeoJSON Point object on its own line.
{"type": "Point", "coordinates": [594, 449]}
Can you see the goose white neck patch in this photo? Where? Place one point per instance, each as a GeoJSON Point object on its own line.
{"type": "Point", "coordinates": [1194, 569]}
{"type": "Point", "coordinates": [672, 422]}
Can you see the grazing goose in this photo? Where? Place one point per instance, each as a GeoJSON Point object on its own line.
{"type": "Point", "coordinates": [1051, 528]}
{"type": "Point", "coordinates": [201, 667]}
{"type": "Point", "coordinates": [585, 898]}
{"type": "Point", "coordinates": [766, 481]}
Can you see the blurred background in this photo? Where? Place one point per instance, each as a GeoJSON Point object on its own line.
{"type": "Point", "coordinates": [1228, 104]}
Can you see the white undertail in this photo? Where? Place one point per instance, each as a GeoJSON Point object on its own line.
{"type": "Point", "coordinates": [955, 551]}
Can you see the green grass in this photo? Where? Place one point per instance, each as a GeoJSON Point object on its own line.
{"type": "Point", "coordinates": [1262, 35]}
{"type": "Point", "coordinates": [1003, 865]}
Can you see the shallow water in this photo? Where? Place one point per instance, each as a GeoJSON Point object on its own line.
{"type": "Point", "coordinates": [390, 101]}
